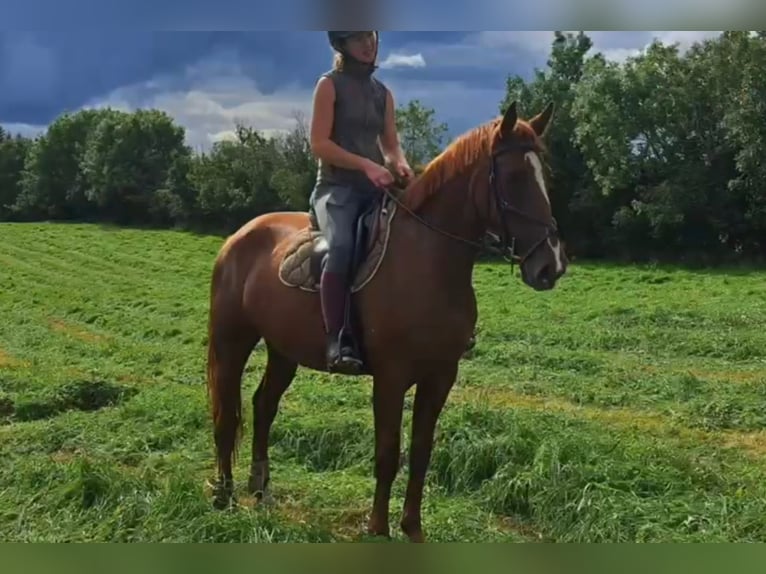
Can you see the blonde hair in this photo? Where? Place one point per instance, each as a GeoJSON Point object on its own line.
{"type": "Point", "coordinates": [337, 61]}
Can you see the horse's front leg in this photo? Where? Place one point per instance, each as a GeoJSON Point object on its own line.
{"type": "Point", "coordinates": [430, 397]}
{"type": "Point", "coordinates": [388, 403]}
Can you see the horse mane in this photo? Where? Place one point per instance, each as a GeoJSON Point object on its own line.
{"type": "Point", "coordinates": [457, 157]}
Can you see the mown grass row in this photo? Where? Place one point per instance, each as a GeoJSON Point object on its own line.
{"type": "Point", "coordinates": [552, 473]}
{"type": "Point", "coordinates": [626, 405]}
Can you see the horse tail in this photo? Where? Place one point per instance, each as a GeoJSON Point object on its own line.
{"type": "Point", "coordinates": [223, 375]}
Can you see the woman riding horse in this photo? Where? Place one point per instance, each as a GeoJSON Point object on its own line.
{"type": "Point", "coordinates": [488, 182]}
{"type": "Point", "coordinates": [353, 132]}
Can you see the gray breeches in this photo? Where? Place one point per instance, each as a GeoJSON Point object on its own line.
{"type": "Point", "coordinates": [337, 210]}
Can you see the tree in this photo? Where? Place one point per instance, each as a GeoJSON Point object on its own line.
{"type": "Point", "coordinates": [234, 180]}
{"type": "Point", "coordinates": [746, 122]}
{"type": "Point", "coordinates": [659, 155]}
{"type": "Point", "coordinates": [52, 184]}
{"type": "Point", "coordinates": [421, 136]}
{"type": "Point", "coordinates": [570, 185]}
{"type": "Point", "coordinates": [295, 174]}
{"type": "Point", "coordinates": [663, 157]}
{"type": "Point", "coordinates": [13, 153]}
{"type": "Point", "coordinates": [128, 163]}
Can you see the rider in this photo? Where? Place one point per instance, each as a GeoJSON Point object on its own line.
{"type": "Point", "coordinates": [353, 133]}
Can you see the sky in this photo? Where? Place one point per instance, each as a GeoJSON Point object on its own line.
{"type": "Point", "coordinates": [208, 81]}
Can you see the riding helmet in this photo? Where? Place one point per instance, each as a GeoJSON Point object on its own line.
{"type": "Point", "coordinates": [336, 38]}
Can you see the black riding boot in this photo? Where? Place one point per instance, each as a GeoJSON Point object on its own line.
{"type": "Point", "coordinates": [341, 355]}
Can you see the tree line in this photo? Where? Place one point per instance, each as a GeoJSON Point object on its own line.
{"type": "Point", "coordinates": [658, 156]}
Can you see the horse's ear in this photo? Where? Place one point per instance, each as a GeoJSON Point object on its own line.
{"type": "Point", "coordinates": [509, 119]}
{"type": "Point", "coordinates": [540, 122]}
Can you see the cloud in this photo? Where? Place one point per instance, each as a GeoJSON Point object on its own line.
{"type": "Point", "coordinates": [219, 96]}
{"type": "Point", "coordinates": [210, 81]}
{"type": "Point", "coordinates": [526, 40]}
{"type": "Point", "coordinates": [246, 15]}
{"type": "Point", "coordinates": [616, 45]}
{"type": "Point", "coordinates": [26, 130]}
{"type": "Point", "coordinates": [44, 74]}
{"type": "Point", "coordinates": [619, 47]}
{"type": "Point", "coordinates": [403, 61]}
{"type": "Point", "coordinates": [461, 105]}
{"type": "Point", "coordinates": [27, 66]}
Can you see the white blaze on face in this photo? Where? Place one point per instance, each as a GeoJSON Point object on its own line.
{"type": "Point", "coordinates": [537, 165]}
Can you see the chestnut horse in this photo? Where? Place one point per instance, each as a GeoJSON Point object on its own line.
{"type": "Point", "coordinates": [417, 313]}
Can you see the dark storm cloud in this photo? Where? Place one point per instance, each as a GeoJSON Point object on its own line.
{"type": "Point", "coordinates": [80, 15]}
{"type": "Point", "coordinates": [43, 74]}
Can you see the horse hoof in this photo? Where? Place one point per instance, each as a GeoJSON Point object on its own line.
{"type": "Point", "coordinates": [265, 498]}
{"type": "Point", "coordinates": [378, 530]}
{"type": "Point", "coordinates": [257, 485]}
{"type": "Point", "coordinates": [261, 493]}
{"type": "Point", "coordinates": [380, 535]}
{"type": "Point", "coordinates": [223, 494]}
{"type": "Point", "coordinates": [416, 536]}
{"type": "Point", "coordinates": [414, 532]}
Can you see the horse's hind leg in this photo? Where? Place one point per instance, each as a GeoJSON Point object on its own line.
{"type": "Point", "coordinates": [277, 377]}
{"type": "Point", "coordinates": [228, 352]}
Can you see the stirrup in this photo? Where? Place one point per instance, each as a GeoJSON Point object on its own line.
{"type": "Point", "coordinates": [341, 358]}
{"type": "Point", "coordinates": [346, 365]}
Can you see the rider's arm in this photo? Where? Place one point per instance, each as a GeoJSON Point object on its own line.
{"type": "Point", "coordinates": [321, 127]}
{"type": "Point", "coordinates": [389, 142]}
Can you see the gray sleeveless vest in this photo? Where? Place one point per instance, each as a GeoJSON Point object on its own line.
{"type": "Point", "coordinates": [360, 110]}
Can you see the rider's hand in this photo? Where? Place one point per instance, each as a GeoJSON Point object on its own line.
{"type": "Point", "coordinates": [378, 174]}
{"type": "Point", "coordinates": [404, 171]}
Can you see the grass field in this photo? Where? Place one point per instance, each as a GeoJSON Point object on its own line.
{"type": "Point", "coordinates": [627, 405]}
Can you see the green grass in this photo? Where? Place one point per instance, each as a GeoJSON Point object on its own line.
{"type": "Point", "coordinates": [626, 405]}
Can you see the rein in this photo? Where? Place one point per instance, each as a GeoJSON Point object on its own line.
{"type": "Point", "coordinates": [506, 250]}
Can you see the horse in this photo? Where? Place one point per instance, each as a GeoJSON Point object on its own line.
{"type": "Point", "coordinates": [416, 307]}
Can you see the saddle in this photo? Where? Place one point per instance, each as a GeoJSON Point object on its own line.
{"type": "Point", "coordinates": [301, 267]}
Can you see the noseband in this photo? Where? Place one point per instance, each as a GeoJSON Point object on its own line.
{"type": "Point", "coordinates": [507, 248]}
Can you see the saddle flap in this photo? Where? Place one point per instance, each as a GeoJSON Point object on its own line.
{"type": "Point", "coordinates": [304, 257]}
{"type": "Point", "coordinates": [366, 227]}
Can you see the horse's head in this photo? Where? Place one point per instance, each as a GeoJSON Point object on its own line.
{"type": "Point", "coordinates": [519, 206]}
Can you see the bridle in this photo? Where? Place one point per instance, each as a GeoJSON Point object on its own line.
{"type": "Point", "coordinates": [507, 240]}
{"type": "Point", "coordinates": [503, 206]}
